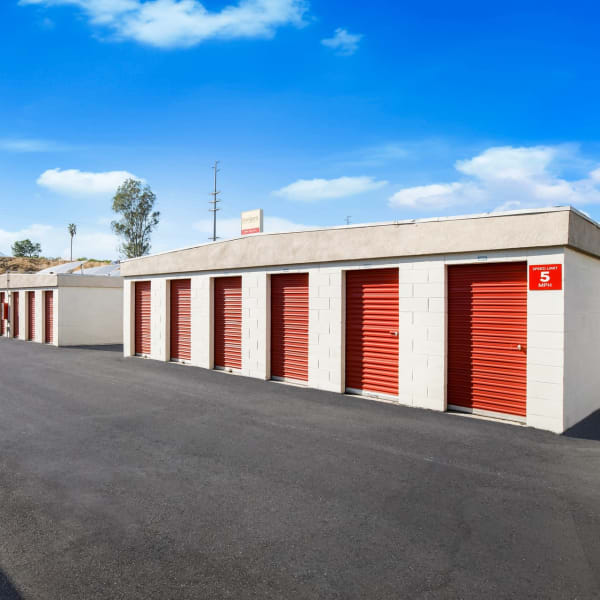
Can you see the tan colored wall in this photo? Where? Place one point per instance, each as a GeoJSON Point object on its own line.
{"type": "Point", "coordinates": [90, 316]}
{"type": "Point", "coordinates": [16, 281]}
{"type": "Point", "coordinates": [443, 236]}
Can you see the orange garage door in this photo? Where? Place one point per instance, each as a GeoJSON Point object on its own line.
{"type": "Point", "coordinates": [372, 331]}
{"type": "Point", "coordinates": [49, 316]}
{"type": "Point", "coordinates": [143, 315]}
{"type": "Point", "coordinates": [15, 309]}
{"type": "Point", "coordinates": [289, 326]}
{"type": "Point", "coordinates": [181, 320]}
{"type": "Point", "coordinates": [487, 338]}
{"type": "Point", "coordinates": [228, 322]}
{"type": "Point", "coordinates": [30, 316]}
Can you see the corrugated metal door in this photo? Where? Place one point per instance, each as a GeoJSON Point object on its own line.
{"type": "Point", "coordinates": [143, 317]}
{"type": "Point", "coordinates": [228, 322]}
{"type": "Point", "coordinates": [15, 308]}
{"type": "Point", "coordinates": [372, 331]}
{"type": "Point", "coordinates": [49, 316]}
{"type": "Point", "coordinates": [181, 320]}
{"type": "Point", "coordinates": [30, 316]}
{"type": "Point", "coordinates": [289, 326]}
{"type": "Point", "coordinates": [487, 338]}
{"type": "Point", "coordinates": [2, 323]}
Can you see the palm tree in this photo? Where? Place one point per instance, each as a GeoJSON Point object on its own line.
{"type": "Point", "coordinates": [72, 228]}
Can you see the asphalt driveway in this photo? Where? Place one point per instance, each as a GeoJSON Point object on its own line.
{"type": "Point", "coordinates": [128, 478]}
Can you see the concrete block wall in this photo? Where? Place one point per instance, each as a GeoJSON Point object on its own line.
{"type": "Point", "coordinates": [201, 290]}
{"type": "Point", "coordinates": [128, 318]}
{"type": "Point", "coordinates": [256, 320]}
{"type": "Point", "coordinates": [325, 329]}
{"type": "Point", "coordinates": [422, 327]}
{"type": "Point", "coordinates": [39, 316]}
{"type": "Point", "coordinates": [159, 328]}
{"type": "Point", "coordinates": [546, 351]}
{"type": "Point", "coordinates": [421, 373]}
{"type": "Point", "coordinates": [22, 314]}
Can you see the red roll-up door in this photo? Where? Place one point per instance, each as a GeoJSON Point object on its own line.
{"type": "Point", "coordinates": [181, 320]}
{"type": "Point", "coordinates": [143, 316]}
{"type": "Point", "coordinates": [15, 308]}
{"type": "Point", "coordinates": [487, 337]}
{"type": "Point", "coordinates": [228, 322]}
{"type": "Point", "coordinates": [2, 323]}
{"type": "Point", "coordinates": [372, 331]}
{"type": "Point", "coordinates": [49, 316]}
{"type": "Point", "coordinates": [30, 316]}
{"type": "Point", "coordinates": [289, 326]}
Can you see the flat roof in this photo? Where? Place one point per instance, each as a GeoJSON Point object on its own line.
{"type": "Point", "coordinates": [530, 228]}
{"type": "Point", "coordinates": [21, 281]}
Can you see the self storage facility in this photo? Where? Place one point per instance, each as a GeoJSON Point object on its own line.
{"type": "Point", "coordinates": [62, 309]}
{"type": "Point", "coordinates": [495, 314]}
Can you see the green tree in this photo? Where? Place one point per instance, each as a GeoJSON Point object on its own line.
{"type": "Point", "coordinates": [72, 229]}
{"type": "Point", "coordinates": [26, 248]}
{"type": "Point", "coordinates": [134, 203]}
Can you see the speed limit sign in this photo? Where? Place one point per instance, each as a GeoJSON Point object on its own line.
{"type": "Point", "coordinates": [545, 277]}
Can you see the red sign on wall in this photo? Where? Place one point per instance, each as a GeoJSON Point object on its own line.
{"type": "Point", "coordinates": [545, 277]}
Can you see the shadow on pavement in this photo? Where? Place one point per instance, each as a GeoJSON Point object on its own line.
{"type": "Point", "coordinates": [587, 429]}
{"type": "Point", "coordinates": [7, 590]}
{"type": "Point", "coordinates": [103, 347]}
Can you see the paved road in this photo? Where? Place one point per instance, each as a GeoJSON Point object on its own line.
{"type": "Point", "coordinates": [125, 478]}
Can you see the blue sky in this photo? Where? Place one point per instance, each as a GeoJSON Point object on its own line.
{"type": "Point", "coordinates": [316, 109]}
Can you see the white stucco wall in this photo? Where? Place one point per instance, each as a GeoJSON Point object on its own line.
{"type": "Point", "coordinates": [88, 316]}
{"type": "Point", "coordinates": [582, 337]}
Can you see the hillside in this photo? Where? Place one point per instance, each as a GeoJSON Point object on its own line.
{"type": "Point", "coordinates": [32, 265]}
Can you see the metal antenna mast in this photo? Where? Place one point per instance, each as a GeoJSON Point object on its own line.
{"type": "Point", "coordinates": [348, 219]}
{"type": "Point", "coordinates": [215, 200]}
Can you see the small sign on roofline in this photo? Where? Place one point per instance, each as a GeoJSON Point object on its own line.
{"type": "Point", "coordinates": [252, 221]}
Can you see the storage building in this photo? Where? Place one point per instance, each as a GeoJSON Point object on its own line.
{"type": "Point", "coordinates": [62, 309]}
{"type": "Point", "coordinates": [495, 314]}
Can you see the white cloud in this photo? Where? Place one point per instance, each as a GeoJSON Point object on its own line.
{"type": "Point", "coordinates": [231, 227]}
{"type": "Point", "coordinates": [73, 182]}
{"type": "Point", "coordinates": [23, 145]}
{"type": "Point", "coordinates": [507, 177]}
{"type": "Point", "coordinates": [344, 43]}
{"type": "Point", "coordinates": [173, 23]}
{"type": "Point", "coordinates": [55, 241]}
{"type": "Point", "coordinates": [312, 190]}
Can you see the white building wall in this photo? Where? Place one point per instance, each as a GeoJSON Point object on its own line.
{"type": "Point", "coordinates": [546, 350]}
{"type": "Point", "coordinates": [582, 337]}
{"type": "Point", "coordinates": [39, 316]}
{"type": "Point", "coordinates": [159, 325]}
{"type": "Point", "coordinates": [88, 316]}
{"type": "Point", "coordinates": [256, 324]}
{"type": "Point", "coordinates": [22, 315]}
{"type": "Point", "coordinates": [422, 327]}
{"type": "Point", "coordinates": [56, 310]}
{"type": "Point", "coordinates": [325, 328]}
{"type": "Point", "coordinates": [128, 318]}
{"type": "Point", "coordinates": [201, 291]}
{"type": "Point", "coordinates": [422, 342]}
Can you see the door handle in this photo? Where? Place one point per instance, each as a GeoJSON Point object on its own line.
{"type": "Point", "coordinates": [519, 347]}
{"type": "Point", "coordinates": [395, 333]}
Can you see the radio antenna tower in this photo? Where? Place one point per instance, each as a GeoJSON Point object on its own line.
{"type": "Point", "coordinates": [215, 200]}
